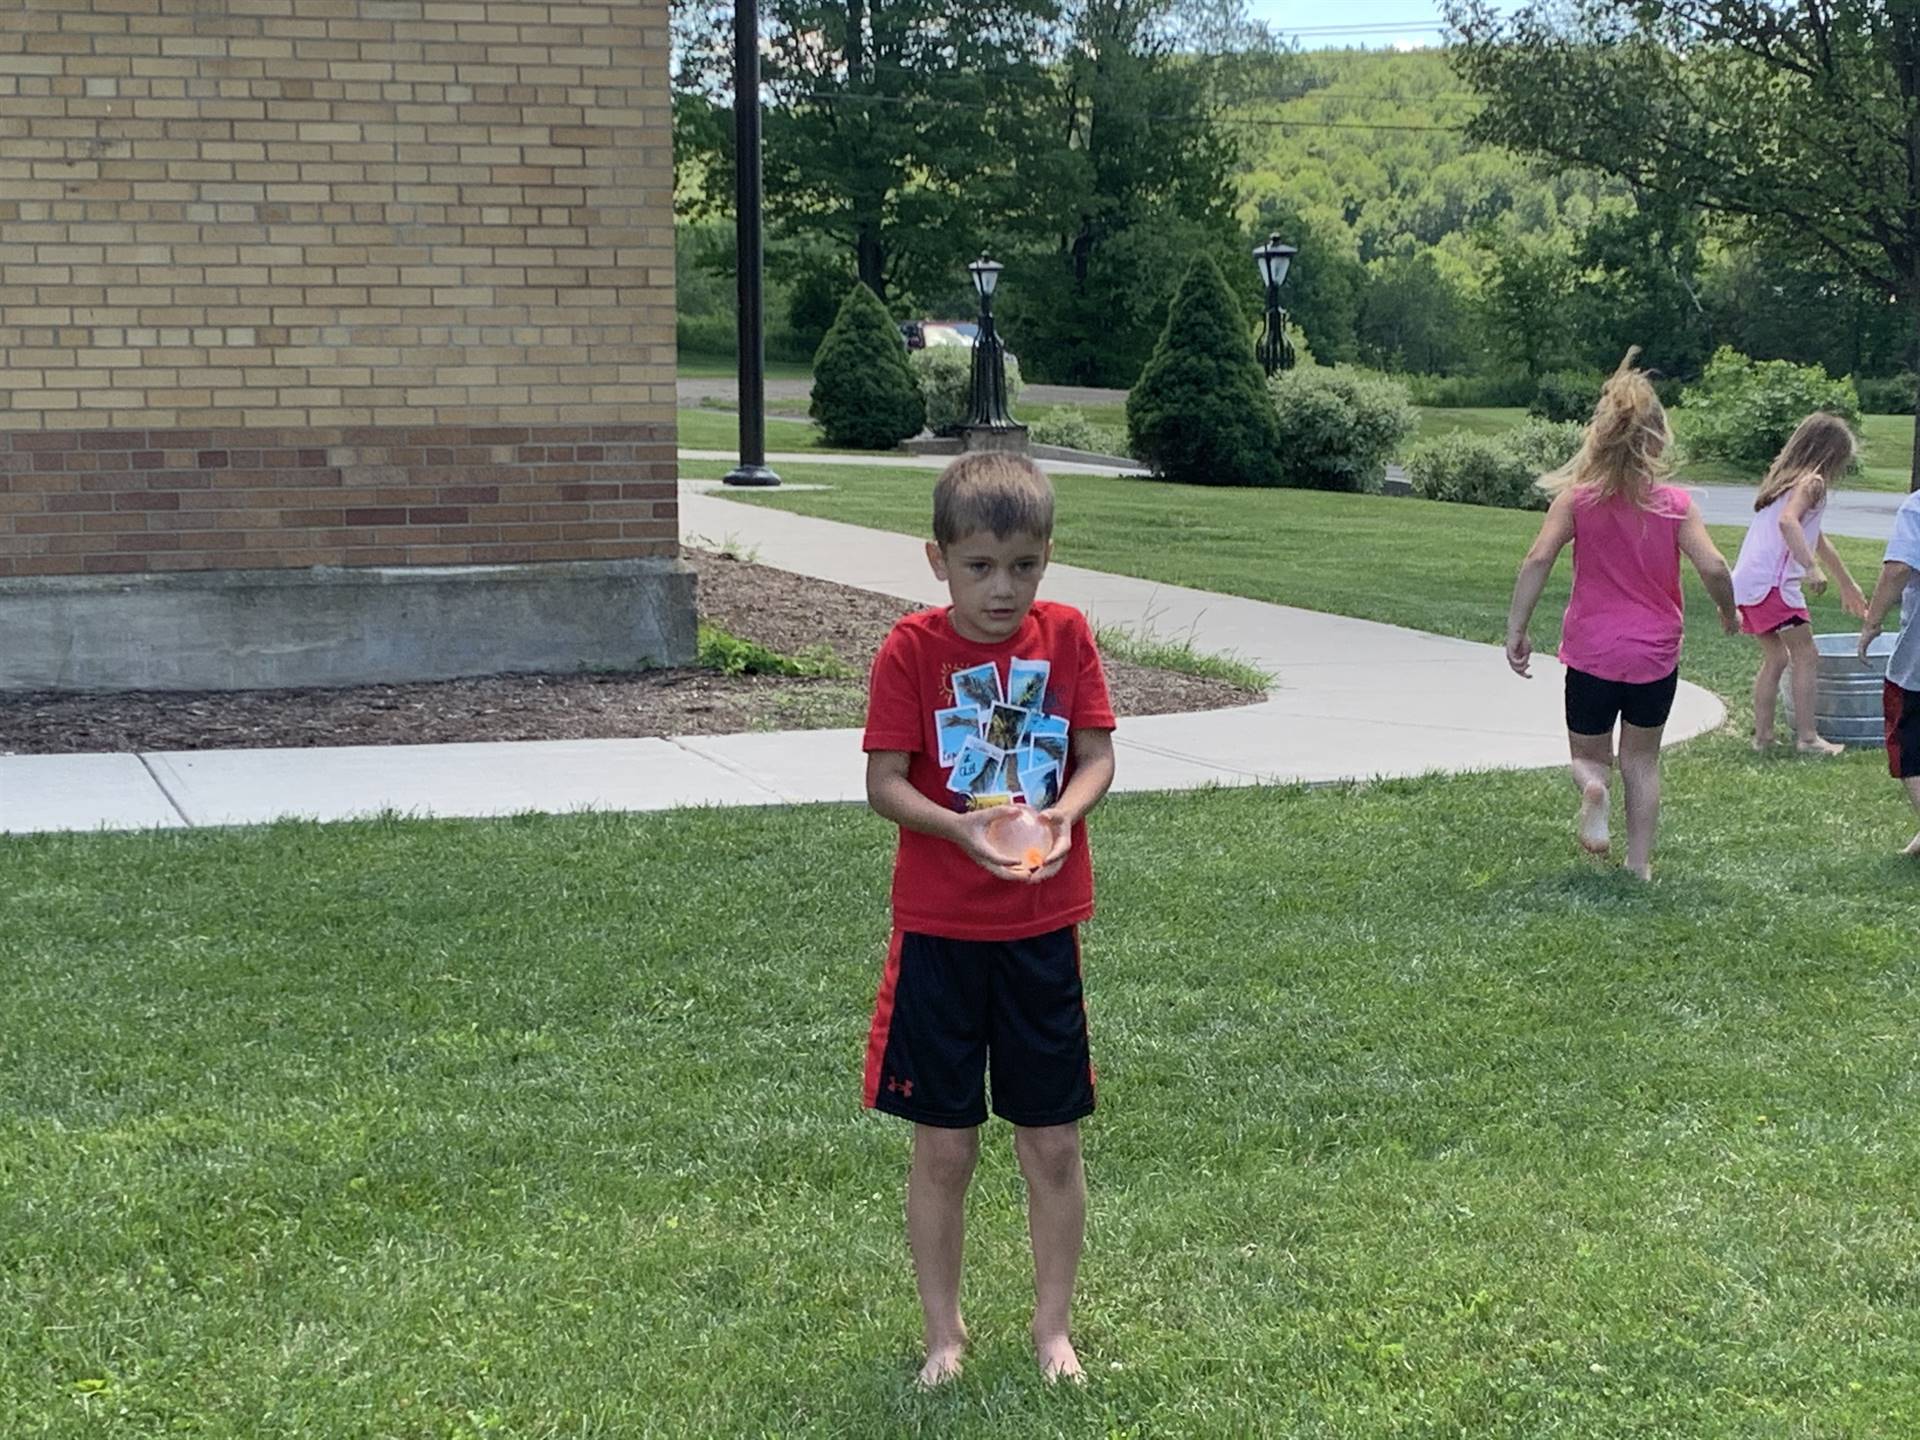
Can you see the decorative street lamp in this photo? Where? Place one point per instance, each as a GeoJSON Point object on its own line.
{"type": "Point", "coordinates": [989, 424]}
{"type": "Point", "coordinates": [1273, 258]}
{"type": "Point", "coordinates": [748, 259]}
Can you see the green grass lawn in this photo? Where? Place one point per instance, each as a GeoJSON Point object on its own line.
{"type": "Point", "coordinates": [704, 429]}
{"type": "Point", "coordinates": [1413, 1124]}
{"type": "Point", "coordinates": [1886, 448]}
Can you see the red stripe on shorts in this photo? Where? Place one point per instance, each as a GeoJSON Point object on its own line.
{"type": "Point", "coordinates": [882, 1022]}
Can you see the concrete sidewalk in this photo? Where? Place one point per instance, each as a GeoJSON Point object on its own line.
{"type": "Point", "coordinates": [1351, 700]}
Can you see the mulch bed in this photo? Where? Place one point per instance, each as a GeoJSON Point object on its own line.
{"type": "Point", "coordinates": [784, 612]}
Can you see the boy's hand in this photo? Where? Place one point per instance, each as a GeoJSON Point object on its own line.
{"type": "Point", "coordinates": [1730, 621]}
{"type": "Point", "coordinates": [1061, 824]}
{"type": "Point", "coordinates": [1869, 632]}
{"type": "Point", "coordinates": [1520, 655]}
{"type": "Point", "coordinates": [970, 834]}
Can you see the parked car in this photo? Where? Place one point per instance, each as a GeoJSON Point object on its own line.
{"type": "Point", "coordinates": [950, 332]}
{"type": "Point", "coordinates": [913, 334]}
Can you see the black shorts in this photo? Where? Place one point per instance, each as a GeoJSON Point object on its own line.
{"type": "Point", "coordinates": [1903, 731]}
{"type": "Point", "coordinates": [1594, 704]}
{"type": "Point", "coordinates": [949, 1009]}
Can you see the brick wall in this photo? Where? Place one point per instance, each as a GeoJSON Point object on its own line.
{"type": "Point", "coordinates": [296, 282]}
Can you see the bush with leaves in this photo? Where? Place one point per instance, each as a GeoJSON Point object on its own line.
{"type": "Point", "coordinates": [945, 376]}
{"type": "Point", "coordinates": [1338, 427]}
{"type": "Point", "coordinates": [1544, 445]}
{"type": "Point", "coordinates": [1068, 427]}
{"type": "Point", "coordinates": [863, 393]}
{"type": "Point", "coordinates": [1501, 470]}
{"type": "Point", "coordinates": [1566, 395]}
{"type": "Point", "coordinates": [1893, 395]}
{"type": "Point", "coordinates": [1199, 412]}
{"type": "Point", "coordinates": [1743, 410]}
{"type": "Point", "coordinates": [1454, 392]}
{"type": "Point", "coordinates": [1471, 469]}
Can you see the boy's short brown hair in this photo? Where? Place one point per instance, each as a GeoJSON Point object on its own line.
{"type": "Point", "coordinates": [1007, 494]}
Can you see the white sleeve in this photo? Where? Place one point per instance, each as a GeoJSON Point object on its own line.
{"type": "Point", "coordinates": [1905, 544]}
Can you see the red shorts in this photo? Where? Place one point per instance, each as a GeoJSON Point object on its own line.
{"type": "Point", "coordinates": [1903, 731]}
{"type": "Point", "coordinates": [1772, 614]}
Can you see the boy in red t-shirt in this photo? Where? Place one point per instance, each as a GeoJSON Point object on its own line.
{"type": "Point", "coordinates": [996, 696]}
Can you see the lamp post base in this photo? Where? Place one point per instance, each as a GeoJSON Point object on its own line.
{"type": "Point", "coordinates": [1003, 439]}
{"type": "Point", "coordinates": [750, 475]}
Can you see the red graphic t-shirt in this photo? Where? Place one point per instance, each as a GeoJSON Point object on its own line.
{"type": "Point", "coordinates": [983, 721]}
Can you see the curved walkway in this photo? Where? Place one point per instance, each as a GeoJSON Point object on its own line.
{"type": "Point", "coordinates": [1351, 699]}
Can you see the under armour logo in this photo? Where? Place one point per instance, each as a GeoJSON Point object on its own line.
{"type": "Point", "coordinates": [902, 1088]}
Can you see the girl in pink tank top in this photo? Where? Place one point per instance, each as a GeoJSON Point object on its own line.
{"type": "Point", "coordinates": [1620, 638]}
{"type": "Point", "coordinates": [1779, 566]}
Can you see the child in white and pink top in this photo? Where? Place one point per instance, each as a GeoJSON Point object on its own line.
{"type": "Point", "coordinates": [1620, 640]}
{"type": "Point", "coordinates": [1780, 565]}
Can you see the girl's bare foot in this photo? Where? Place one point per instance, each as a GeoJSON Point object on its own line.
{"type": "Point", "coordinates": [1819, 746]}
{"type": "Point", "coordinates": [1592, 828]}
{"type": "Point", "coordinates": [1057, 1360]}
{"type": "Point", "coordinates": [1641, 872]}
{"type": "Point", "coordinates": [1913, 846]}
{"type": "Point", "coordinates": [1762, 744]}
{"type": "Point", "coordinates": [943, 1362]}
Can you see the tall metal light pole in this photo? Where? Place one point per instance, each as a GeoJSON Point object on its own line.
{"type": "Point", "coordinates": [1273, 258]}
{"type": "Point", "coordinates": [748, 256]}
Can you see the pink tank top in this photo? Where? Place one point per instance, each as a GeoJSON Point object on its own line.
{"type": "Point", "coordinates": [1626, 616]}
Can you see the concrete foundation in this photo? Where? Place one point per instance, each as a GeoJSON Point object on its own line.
{"type": "Point", "coordinates": [265, 629]}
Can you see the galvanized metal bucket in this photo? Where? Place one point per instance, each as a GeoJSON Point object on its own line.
{"type": "Point", "coordinates": [1850, 708]}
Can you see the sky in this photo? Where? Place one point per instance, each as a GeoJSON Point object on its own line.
{"type": "Point", "coordinates": [1315, 24]}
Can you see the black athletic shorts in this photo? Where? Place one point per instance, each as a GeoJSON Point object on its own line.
{"type": "Point", "coordinates": [948, 1010]}
{"type": "Point", "coordinates": [1903, 731]}
{"type": "Point", "coordinates": [1594, 704]}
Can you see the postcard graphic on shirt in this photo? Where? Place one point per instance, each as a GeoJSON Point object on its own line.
{"type": "Point", "coordinates": [1000, 743]}
{"type": "Point", "coordinates": [978, 687]}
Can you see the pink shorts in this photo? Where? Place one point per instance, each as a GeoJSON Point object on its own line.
{"type": "Point", "coordinates": [1772, 614]}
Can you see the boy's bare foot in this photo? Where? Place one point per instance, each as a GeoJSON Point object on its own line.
{"type": "Point", "coordinates": [1057, 1360]}
{"type": "Point", "coordinates": [1762, 744]}
{"type": "Point", "coordinates": [943, 1362]}
{"type": "Point", "coordinates": [1641, 872]}
{"type": "Point", "coordinates": [1594, 838]}
{"type": "Point", "coordinates": [1819, 746]}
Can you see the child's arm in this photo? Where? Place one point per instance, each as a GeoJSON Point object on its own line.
{"type": "Point", "coordinates": [1852, 600]}
{"type": "Point", "coordinates": [1808, 491]}
{"type": "Point", "coordinates": [1894, 578]}
{"type": "Point", "coordinates": [893, 797]}
{"type": "Point", "coordinates": [1092, 776]}
{"type": "Point", "coordinates": [1697, 545]}
{"type": "Point", "coordinates": [1555, 531]}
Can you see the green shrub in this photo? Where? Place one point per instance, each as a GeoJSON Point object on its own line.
{"type": "Point", "coordinates": [944, 374]}
{"type": "Point", "coordinates": [1543, 445]}
{"type": "Point", "coordinates": [1338, 427]}
{"type": "Point", "coordinates": [1199, 412]}
{"type": "Point", "coordinates": [1455, 392]}
{"type": "Point", "coordinates": [1473, 470]}
{"type": "Point", "coordinates": [1743, 410]}
{"type": "Point", "coordinates": [1891, 395]}
{"type": "Point", "coordinates": [1500, 470]}
{"type": "Point", "coordinates": [1069, 427]}
{"type": "Point", "coordinates": [1566, 395]}
{"type": "Point", "coordinates": [863, 393]}
{"type": "Point", "coordinates": [731, 655]}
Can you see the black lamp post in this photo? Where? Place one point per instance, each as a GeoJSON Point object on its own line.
{"type": "Point", "coordinates": [752, 469]}
{"type": "Point", "coordinates": [1273, 258]}
{"type": "Point", "coordinates": [987, 403]}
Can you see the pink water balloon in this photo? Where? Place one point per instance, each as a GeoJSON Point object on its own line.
{"type": "Point", "coordinates": [1021, 836]}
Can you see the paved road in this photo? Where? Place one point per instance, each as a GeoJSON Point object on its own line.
{"type": "Point", "coordinates": [1864, 514]}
